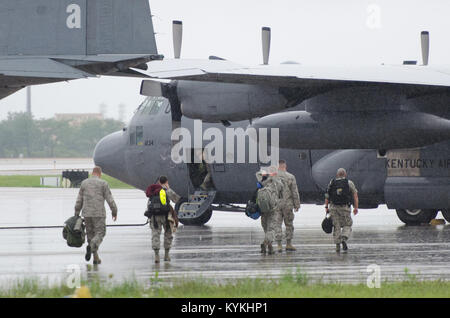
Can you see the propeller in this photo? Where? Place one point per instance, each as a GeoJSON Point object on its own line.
{"type": "Point", "coordinates": [425, 42]}
{"type": "Point", "coordinates": [177, 38]}
{"type": "Point", "coordinates": [266, 37]}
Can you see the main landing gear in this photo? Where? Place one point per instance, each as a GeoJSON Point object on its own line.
{"type": "Point", "coordinates": [417, 216]}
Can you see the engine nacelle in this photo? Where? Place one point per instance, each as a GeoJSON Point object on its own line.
{"type": "Point", "coordinates": [356, 130]}
{"type": "Point", "coordinates": [216, 102]}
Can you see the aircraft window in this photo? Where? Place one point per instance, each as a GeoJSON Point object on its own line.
{"type": "Point", "coordinates": [132, 137]}
{"type": "Point", "coordinates": [146, 106]}
{"type": "Point", "coordinates": [139, 135]}
{"type": "Point", "coordinates": [156, 107]}
{"type": "Point", "coordinates": [142, 106]}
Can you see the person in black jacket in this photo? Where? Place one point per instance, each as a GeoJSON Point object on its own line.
{"type": "Point", "coordinates": [340, 195]}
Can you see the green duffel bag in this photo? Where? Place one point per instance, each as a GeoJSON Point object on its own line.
{"type": "Point", "coordinates": [74, 231]}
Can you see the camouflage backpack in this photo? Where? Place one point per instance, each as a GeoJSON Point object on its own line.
{"type": "Point", "coordinates": [266, 200]}
{"type": "Point", "coordinates": [74, 231]}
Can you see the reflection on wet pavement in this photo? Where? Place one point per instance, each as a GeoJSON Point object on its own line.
{"type": "Point", "coordinates": [227, 247]}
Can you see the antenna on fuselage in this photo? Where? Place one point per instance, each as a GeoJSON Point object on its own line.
{"type": "Point", "coordinates": [266, 38]}
{"type": "Point", "coordinates": [177, 27]}
{"type": "Point", "coordinates": [425, 43]}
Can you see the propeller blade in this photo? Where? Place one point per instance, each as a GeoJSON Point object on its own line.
{"type": "Point", "coordinates": [266, 38]}
{"type": "Point", "coordinates": [425, 42]}
{"type": "Point", "coordinates": [177, 38]}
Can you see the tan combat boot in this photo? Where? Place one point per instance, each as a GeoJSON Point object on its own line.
{"type": "Point", "coordinates": [97, 259]}
{"type": "Point", "coordinates": [263, 248]}
{"type": "Point", "coordinates": [280, 247]}
{"type": "Point", "coordinates": [270, 249]}
{"type": "Point", "coordinates": [289, 246]}
{"type": "Point", "coordinates": [156, 256]}
{"type": "Point", "coordinates": [166, 255]}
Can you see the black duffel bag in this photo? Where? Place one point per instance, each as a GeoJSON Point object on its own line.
{"type": "Point", "coordinates": [327, 224]}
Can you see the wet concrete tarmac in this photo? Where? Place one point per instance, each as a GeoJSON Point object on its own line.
{"type": "Point", "coordinates": [227, 247]}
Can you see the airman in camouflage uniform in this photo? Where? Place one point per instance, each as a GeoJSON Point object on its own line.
{"type": "Point", "coordinates": [270, 180]}
{"type": "Point", "coordinates": [91, 200]}
{"type": "Point", "coordinates": [158, 222]}
{"type": "Point", "coordinates": [290, 202]}
{"type": "Point", "coordinates": [341, 213]}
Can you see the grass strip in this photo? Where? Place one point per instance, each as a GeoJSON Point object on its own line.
{"type": "Point", "coordinates": [19, 181]}
{"type": "Point", "coordinates": [290, 285]}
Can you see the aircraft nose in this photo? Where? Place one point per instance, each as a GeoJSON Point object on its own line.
{"type": "Point", "coordinates": [109, 155]}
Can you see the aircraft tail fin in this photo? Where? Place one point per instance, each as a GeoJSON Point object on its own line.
{"type": "Point", "coordinates": [76, 27]}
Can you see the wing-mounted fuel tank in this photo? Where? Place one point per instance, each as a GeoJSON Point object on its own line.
{"type": "Point", "coordinates": [364, 168]}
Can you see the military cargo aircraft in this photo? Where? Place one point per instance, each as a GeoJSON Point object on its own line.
{"type": "Point", "coordinates": [389, 126]}
{"type": "Point", "coordinates": [47, 41]}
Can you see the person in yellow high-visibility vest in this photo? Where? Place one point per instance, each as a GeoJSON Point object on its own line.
{"type": "Point", "coordinates": [161, 194]}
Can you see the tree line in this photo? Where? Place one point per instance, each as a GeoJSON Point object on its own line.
{"type": "Point", "coordinates": [21, 134]}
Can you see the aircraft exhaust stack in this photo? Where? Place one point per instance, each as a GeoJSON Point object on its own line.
{"type": "Point", "coordinates": [177, 38]}
{"type": "Point", "coordinates": [266, 38]}
{"type": "Point", "coordinates": [425, 42]}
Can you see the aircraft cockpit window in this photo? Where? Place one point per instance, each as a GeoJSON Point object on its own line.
{"type": "Point", "coordinates": [156, 107]}
{"type": "Point", "coordinates": [151, 106]}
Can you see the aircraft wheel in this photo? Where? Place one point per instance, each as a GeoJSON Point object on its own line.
{"type": "Point", "coordinates": [201, 220]}
{"type": "Point", "coordinates": [416, 216]}
{"type": "Point", "coordinates": [446, 214]}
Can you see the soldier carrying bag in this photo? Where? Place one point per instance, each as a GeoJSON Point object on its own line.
{"type": "Point", "coordinates": [74, 231]}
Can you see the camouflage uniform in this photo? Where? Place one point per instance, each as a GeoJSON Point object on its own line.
{"type": "Point", "coordinates": [341, 216]}
{"type": "Point", "coordinates": [91, 200]}
{"type": "Point", "coordinates": [291, 201]}
{"type": "Point", "coordinates": [158, 222]}
{"type": "Point", "coordinates": [269, 220]}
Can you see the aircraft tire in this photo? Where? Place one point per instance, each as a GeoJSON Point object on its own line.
{"type": "Point", "coordinates": [416, 217]}
{"type": "Point", "coordinates": [201, 220]}
{"type": "Point", "coordinates": [446, 214]}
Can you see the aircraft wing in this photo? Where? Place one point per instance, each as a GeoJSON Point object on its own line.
{"type": "Point", "coordinates": [295, 75]}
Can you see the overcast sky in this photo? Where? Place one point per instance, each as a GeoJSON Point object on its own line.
{"type": "Point", "coordinates": [310, 32]}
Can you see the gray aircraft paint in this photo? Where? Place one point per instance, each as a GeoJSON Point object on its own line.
{"type": "Point", "coordinates": [75, 27]}
{"type": "Point", "coordinates": [46, 41]}
{"type": "Point", "coordinates": [140, 165]}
